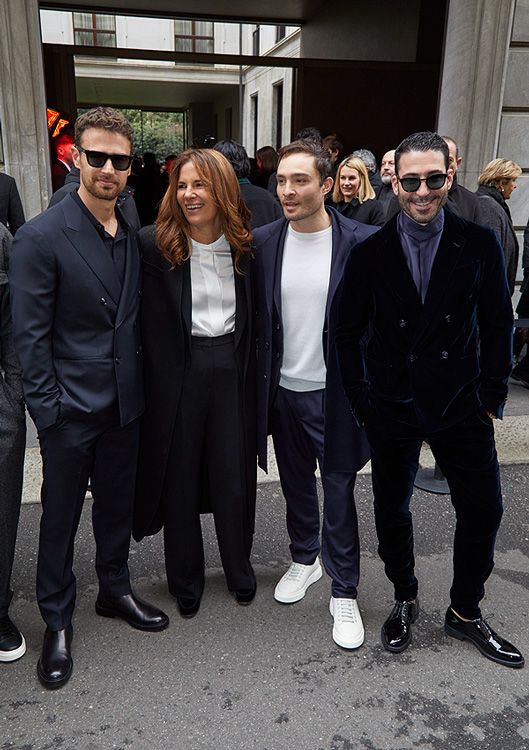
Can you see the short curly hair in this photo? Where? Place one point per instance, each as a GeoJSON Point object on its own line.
{"type": "Point", "coordinates": [104, 118]}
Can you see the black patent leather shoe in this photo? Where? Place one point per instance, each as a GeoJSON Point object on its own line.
{"type": "Point", "coordinates": [480, 633]}
{"type": "Point", "coordinates": [55, 665]}
{"type": "Point", "coordinates": [396, 631]}
{"type": "Point", "coordinates": [187, 607]}
{"type": "Point", "coordinates": [244, 597]}
{"type": "Point", "coordinates": [132, 610]}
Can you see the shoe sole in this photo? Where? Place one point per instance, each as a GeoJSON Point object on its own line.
{"type": "Point", "coordinates": [398, 649]}
{"type": "Point", "coordinates": [16, 653]}
{"type": "Point", "coordinates": [460, 637]}
{"type": "Point", "coordinates": [292, 599]}
{"type": "Point", "coordinates": [346, 644]}
{"type": "Point", "coordinates": [103, 611]}
{"type": "Point", "coordinates": [53, 684]}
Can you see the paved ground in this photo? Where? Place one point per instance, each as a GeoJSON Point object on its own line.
{"type": "Point", "coordinates": [269, 676]}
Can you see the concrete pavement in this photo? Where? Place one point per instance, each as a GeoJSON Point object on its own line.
{"type": "Point", "coordinates": [269, 676]}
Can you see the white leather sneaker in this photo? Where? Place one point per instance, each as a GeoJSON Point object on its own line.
{"type": "Point", "coordinates": [348, 630]}
{"type": "Point", "coordinates": [294, 584]}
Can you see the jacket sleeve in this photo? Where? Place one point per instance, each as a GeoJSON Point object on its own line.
{"type": "Point", "coordinates": [9, 364]}
{"type": "Point", "coordinates": [15, 212]}
{"type": "Point", "coordinates": [33, 280]}
{"type": "Point", "coordinates": [495, 322]}
{"type": "Point", "coordinates": [354, 310]}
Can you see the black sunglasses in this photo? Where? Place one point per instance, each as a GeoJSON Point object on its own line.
{"type": "Point", "coordinates": [98, 159]}
{"type": "Point", "coordinates": [433, 182]}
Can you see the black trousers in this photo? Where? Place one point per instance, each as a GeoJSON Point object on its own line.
{"type": "Point", "coordinates": [72, 453]}
{"type": "Point", "coordinates": [207, 460]}
{"type": "Point", "coordinates": [298, 431]}
{"type": "Point", "coordinates": [466, 454]}
{"type": "Point", "coordinates": [12, 447]}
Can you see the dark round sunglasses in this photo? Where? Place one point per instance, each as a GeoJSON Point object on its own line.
{"type": "Point", "coordinates": [98, 159]}
{"type": "Point", "coordinates": [433, 182]}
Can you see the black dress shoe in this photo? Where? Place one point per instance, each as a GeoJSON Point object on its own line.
{"type": "Point", "coordinates": [484, 638]}
{"type": "Point", "coordinates": [187, 607]}
{"type": "Point", "coordinates": [396, 631]}
{"type": "Point", "coordinates": [244, 597]}
{"type": "Point", "coordinates": [134, 611]}
{"type": "Point", "coordinates": [55, 665]}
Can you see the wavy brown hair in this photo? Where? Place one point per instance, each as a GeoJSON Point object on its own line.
{"type": "Point", "coordinates": [173, 233]}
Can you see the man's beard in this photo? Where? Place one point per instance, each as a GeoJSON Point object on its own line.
{"type": "Point", "coordinates": [386, 179]}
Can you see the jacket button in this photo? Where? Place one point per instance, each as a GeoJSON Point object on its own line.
{"type": "Point", "coordinates": [277, 355]}
{"type": "Point", "coordinates": [278, 327]}
{"type": "Point", "coordinates": [117, 360]}
{"type": "Point", "coordinates": [412, 357]}
{"type": "Point", "coordinates": [103, 301]}
{"type": "Point", "coordinates": [265, 377]}
{"type": "Point", "coordinates": [267, 345]}
{"type": "Point", "coordinates": [402, 323]}
{"type": "Point", "coordinates": [444, 355]}
{"type": "Point", "coordinates": [448, 318]}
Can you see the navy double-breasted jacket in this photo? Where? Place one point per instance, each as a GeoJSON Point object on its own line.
{"type": "Point", "coordinates": [345, 447]}
{"type": "Point", "coordinates": [445, 358]}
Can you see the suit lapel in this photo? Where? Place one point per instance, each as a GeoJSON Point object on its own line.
{"type": "Point", "coordinates": [84, 237]}
{"type": "Point", "coordinates": [397, 275]}
{"type": "Point", "coordinates": [130, 280]}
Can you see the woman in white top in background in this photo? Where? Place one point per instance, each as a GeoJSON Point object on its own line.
{"type": "Point", "coordinates": [197, 452]}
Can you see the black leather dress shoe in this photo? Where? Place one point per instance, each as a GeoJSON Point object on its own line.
{"type": "Point", "coordinates": [55, 665]}
{"type": "Point", "coordinates": [244, 597]}
{"type": "Point", "coordinates": [396, 631]}
{"type": "Point", "coordinates": [484, 638]}
{"type": "Point", "coordinates": [187, 607]}
{"type": "Point", "coordinates": [134, 611]}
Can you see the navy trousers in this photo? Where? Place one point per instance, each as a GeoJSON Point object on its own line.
{"type": "Point", "coordinates": [72, 452]}
{"type": "Point", "coordinates": [297, 426]}
{"type": "Point", "coordinates": [466, 454]}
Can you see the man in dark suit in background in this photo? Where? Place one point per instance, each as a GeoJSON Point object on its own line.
{"type": "Point", "coordinates": [75, 283]}
{"type": "Point", "coordinates": [415, 296]}
{"type": "Point", "coordinates": [300, 401]}
{"type": "Point", "coordinates": [11, 211]}
{"type": "Point", "coordinates": [62, 162]}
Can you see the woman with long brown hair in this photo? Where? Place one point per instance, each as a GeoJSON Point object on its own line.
{"type": "Point", "coordinates": [197, 451]}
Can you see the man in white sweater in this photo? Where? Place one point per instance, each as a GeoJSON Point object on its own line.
{"type": "Point", "coordinates": [300, 260]}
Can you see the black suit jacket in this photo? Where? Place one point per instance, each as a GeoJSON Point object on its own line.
{"type": "Point", "coordinates": [75, 326]}
{"type": "Point", "coordinates": [397, 354]}
{"type": "Point", "coordinates": [346, 448]}
{"type": "Point", "coordinates": [11, 211]}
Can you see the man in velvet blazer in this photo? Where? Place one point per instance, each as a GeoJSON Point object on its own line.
{"type": "Point", "coordinates": [75, 283]}
{"type": "Point", "coordinates": [309, 422]}
{"type": "Point", "coordinates": [424, 345]}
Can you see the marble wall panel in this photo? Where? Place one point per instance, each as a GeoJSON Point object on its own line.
{"type": "Point", "coordinates": [520, 32]}
{"type": "Point", "coordinates": [514, 138]}
{"type": "Point", "coordinates": [517, 79]}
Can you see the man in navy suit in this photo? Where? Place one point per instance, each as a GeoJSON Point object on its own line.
{"type": "Point", "coordinates": [424, 345]}
{"type": "Point", "coordinates": [75, 284]}
{"type": "Point", "coordinates": [300, 260]}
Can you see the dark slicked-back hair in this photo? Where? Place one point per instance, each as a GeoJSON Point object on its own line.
{"type": "Point", "coordinates": [104, 118]}
{"type": "Point", "coordinates": [309, 134]}
{"type": "Point", "coordinates": [236, 155]}
{"type": "Point", "coordinates": [423, 141]}
{"type": "Point", "coordinates": [322, 159]}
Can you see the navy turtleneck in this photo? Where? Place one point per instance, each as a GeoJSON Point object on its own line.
{"type": "Point", "coordinates": [419, 243]}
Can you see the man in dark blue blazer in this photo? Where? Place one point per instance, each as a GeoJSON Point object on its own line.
{"type": "Point", "coordinates": [424, 345]}
{"type": "Point", "coordinates": [75, 284]}
{"type": "Point", "coordinates": [300, 399]}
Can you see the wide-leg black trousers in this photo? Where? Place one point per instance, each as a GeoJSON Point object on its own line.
{"type": "Point", "coordinates": [207, 459]}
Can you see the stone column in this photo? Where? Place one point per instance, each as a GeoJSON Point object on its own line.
{"type": "Point", "coordinates": [23, 103]}
{"type": "Point", "coordinates": [473, 79]}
